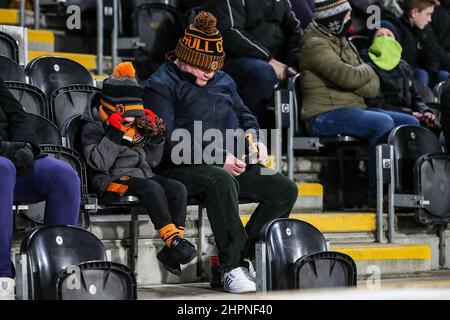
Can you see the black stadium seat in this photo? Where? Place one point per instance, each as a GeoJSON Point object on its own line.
{"type": "Point", "coordinates": [48, 132]}
{"type": "Point", "coordinates": [52, 73]}
{"type": "Point", "coordinates": [296, 257]}
{"type": "Point", "coordinates": [31, 98]}
{"type": "Point", "coordinates": [11, 71]}
{"type": "Point", "coordinates": [66, 262]}
{"type": "Point", "coordinates": [69, 101]}
{"type": "Point", "coordinates": [9, 47]}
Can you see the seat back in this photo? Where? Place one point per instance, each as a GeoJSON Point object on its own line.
{"type": "Point", "coordinates": [46, 131]}
{"type": "Point", "coordinates": [410, 142]}
{"type": "Point", "coordinates": [432, 181]}
{"type": "Point", "coordinates": [159, 26]}
{"type": "Point", "coordinates": [437, 90]}
{"type": "Point", "coordinates": [31, 98]}
{"type": "Point", "coordinates": [101, 280]}
{"type": "Point", "coordinates": [51, 249]}
{"type": "Point", "coordinates": [324, 270]}
{"type": "Point", "coordinates": [425, 92]}
{"type": "Point", "coordinates": [69, 101]}
{"type": "Point", "coordinates": [9, 47]}
{"type": "Point", "coordinates": [52, 73]}
{"type": "Point", "coordinates": [11, 71]}
{"type": "Point", "coordinates": [287, 240]}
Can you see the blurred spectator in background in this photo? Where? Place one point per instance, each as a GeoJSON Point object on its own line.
{"type": "Point", "coordinates": [261, 40]}
{"type": "Point", "coordinates": [420, 47]}
{"type": "Point", "coordinates": [335, 81]}
{"type": "Point", "coordinates": [304, 11]}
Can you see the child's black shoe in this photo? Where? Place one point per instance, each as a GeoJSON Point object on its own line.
{"type": "Point", "coordinates": [168, 262]}
{"type": "Point", "coordinates": [182, 250]}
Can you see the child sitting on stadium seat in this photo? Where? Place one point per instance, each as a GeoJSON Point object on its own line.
{"type": "Point", "coordinates": [122, 142]}
{"type": "Point", "coordinates": [397, 91]}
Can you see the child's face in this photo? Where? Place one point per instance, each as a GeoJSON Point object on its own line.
{"type": "Point", "coordinates": [421, 18]}
{"type": "Point", "coordinates": [129, 120]}
{"type": "Point", "coordinates": [384, 32]}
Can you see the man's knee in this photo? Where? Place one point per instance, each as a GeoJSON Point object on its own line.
{"type": "Point", "coordinates": [7, 169]}
{"type": "Point", "coordinates": [222, 180]}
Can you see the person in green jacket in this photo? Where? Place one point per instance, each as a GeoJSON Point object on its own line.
{"type": "Point", "coordinates": [335, 81]}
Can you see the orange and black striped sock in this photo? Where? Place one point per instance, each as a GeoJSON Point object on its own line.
{"type": "Point", "coordinates": [168, 232]}
{"type": "Point", "coordinates": [181, 230]}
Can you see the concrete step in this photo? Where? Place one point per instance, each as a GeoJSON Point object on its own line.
{"type": "Point", "coordinates": [41, 40]}
{"type": "Point", "coordinates": [387, 259]}
{"type": "Point", "coordinates": [9, 16]}
{"type": "Point", "coordinates": [334, 222]}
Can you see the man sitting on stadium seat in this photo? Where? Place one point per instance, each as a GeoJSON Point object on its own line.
{"type": "Point", "coordinates": [335, 82]}
{"type": "Point", "coordinates": [28, 177]}
{"type": "Point", "coordinates": [195, 99]}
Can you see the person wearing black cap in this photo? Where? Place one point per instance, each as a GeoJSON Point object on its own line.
{"type": "Point", "coordinates": [397, 89]}
{"type": "Point", "coordinates": [335, 82]}
{"type": "Point", "coordinates": [121, 143]}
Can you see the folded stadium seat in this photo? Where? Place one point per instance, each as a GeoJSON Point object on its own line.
{"type": "Point", "coordinates": [159, 25]}
{"type": "Point", "coordinates": [421, 167]}
{"type": "Point", "coordinates": [69, 101]}
{"type": "Point", "coordinates": [417, 171]}
{"type": "Point", "coordinates": [11, 70]}
{"type": "Point", "coordinates": [52, 73]}
{"type": "Point", "coordinates": [69, 263]}
{"type": "Point", "coordinates": [288, 114]}
{"type": "Point", "coordinates": [292, 254]}
{"type": "Point", "coordinates": [31, 98]}
{"type": "Point", "coordinates": [9, 47]}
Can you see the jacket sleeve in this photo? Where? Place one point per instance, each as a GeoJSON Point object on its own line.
{"type": "Point", "coordinates": [293, 31]}
{"type": "Point", "coordinates": [100, 147]}
{"type": "Point", "coordinates": [14, 117]}
{"type": "Point", "coordinates": [161, 102]}
{"type": "Point", "coordinates": [326, 63]}
{"type": "Point", "coordinates": [231, 23]}
{"type": "Point", "coordinates": [246, 118]}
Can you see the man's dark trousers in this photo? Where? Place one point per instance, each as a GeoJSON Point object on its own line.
{"type": "Point", "coordinates": [220, 192]}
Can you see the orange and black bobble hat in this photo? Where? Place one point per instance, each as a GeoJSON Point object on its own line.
{"type": "Point", "coordinates": [122, 93]}
{"type": "Point", "coordinates": [202, 44]}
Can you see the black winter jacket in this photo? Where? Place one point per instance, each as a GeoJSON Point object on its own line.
{"type": "Point", "coordinates": [14, 125]}
{"type": "Point", "coordinates": [397, 91]}
{"type": "Point", "coordinates": [418, 45]}
{"type": "Point", "coordinates": [261, 29]}
{"type": "Point", "coordinates": [174, 97]}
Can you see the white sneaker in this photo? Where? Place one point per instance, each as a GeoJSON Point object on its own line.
{"type": "Point", "coordinates": [238, 280]}
{"type": "Point", "coordinates": [251, 270]}
{"type": "Point", "coordinates": [6, 289]}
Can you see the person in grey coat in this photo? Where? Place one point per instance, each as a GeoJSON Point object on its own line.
{"type": "Point", "coordinates": [121, 143]}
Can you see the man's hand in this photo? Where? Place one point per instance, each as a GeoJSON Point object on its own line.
{"type": "Point", "coordinates": [262, 152]}
{"type": "Point", "coordinates": [233, 165]}
{"type": "Point", "coordinates": [281, 69]}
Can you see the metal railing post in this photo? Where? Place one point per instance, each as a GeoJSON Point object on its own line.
{"type": "Point", "coordinates": [391, 191]}
{"type": "Point", "coordinates": [22, 13]}
{"type": "Point", "coordinates": [380, 186]}
{"type": "Point", "coordinates": [115, 33]}
{"type": "Point", "coordinates": [100, 37]}
{"type": "Point", "coordinates": [37, 14]}
{"type": "Point", "coordinates": [278, 132]}
{"type": "Point", "coordinates": [290, 137]}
